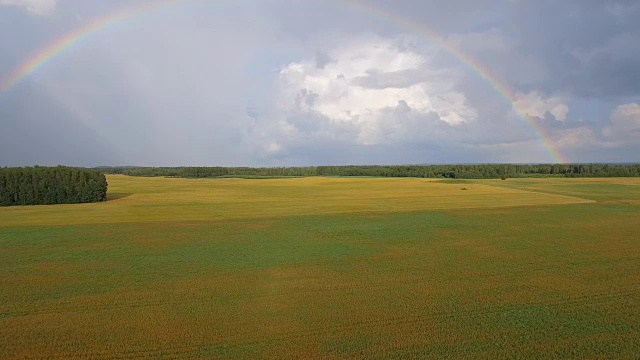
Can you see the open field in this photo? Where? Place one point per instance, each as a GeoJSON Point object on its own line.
{"type": "Point", "coordinates": [168, 199]}
{"type": "Point", "coordinates": [326, 267]}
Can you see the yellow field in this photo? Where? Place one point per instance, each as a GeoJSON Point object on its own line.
{"type": "Point", "coordinates": [162, 199]}
{"type": "Point", "coordinates": [326, 268]}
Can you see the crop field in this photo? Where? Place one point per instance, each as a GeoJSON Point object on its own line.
{"type": "Point", "coordinates": [326, 268]}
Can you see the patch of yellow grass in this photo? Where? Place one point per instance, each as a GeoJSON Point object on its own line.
{"type": "Point", "coordinates": [618, 190]}
{"type": "Point", "coordinates": [568, 181]}
{"type": "Point", "coordinates": [161, 199]}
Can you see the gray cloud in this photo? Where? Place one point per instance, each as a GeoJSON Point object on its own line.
{"type": "Point", "coordinates": [375, 79]}
{"type": "Point", "coordinates": [37, 131]}
{"type": "Point", "coordinates": [292, 83]}
{"type": "Point", "coordinates": [322, 60]}
{"type": "Point", "coordinates": [402, 107]}
{"type": "Point", "coordinates": [37, 7]}
{"type": "Point", "coordinates": [583, 45]}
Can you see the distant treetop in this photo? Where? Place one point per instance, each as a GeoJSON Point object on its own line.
{"type": "Point", "coordinates": [480, 171]}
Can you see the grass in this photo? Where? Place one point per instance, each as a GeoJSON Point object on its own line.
{"type": "Point", "coordinates": [326, 267]}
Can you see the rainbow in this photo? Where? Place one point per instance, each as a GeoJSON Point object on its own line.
{"type": "Point", "coordinates": [44, 55]}
{"type": "Point", "coordinates": [482, 70]}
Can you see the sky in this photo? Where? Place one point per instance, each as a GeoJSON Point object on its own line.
{"type": "Point", "coordinates": [321, 82]}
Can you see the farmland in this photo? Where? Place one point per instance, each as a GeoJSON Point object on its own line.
{"type": "Point", "coordinates": [327, 268]}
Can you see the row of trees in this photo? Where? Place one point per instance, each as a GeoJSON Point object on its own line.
{"type": "Point", "coordinates": [51, 185]}
{"type": "Point", "coordinates": [484, 171]}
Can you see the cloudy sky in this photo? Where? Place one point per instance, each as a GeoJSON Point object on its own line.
{"type": "Point", "coordinates": [310, 82]}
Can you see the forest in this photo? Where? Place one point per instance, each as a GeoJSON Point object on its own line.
{"type": "Point", "coordinates": [51, 185]}
{"type": "Point", "coordinates": [479, 171]}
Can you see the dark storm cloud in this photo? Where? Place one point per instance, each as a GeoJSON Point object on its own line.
{"type": "Point", "coordinates": [37, 131]}
{"type": "Point", "coordinates": [589, 48]}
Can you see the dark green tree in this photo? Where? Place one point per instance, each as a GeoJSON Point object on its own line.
{"type": "Point", "coordinates": [45, 185]}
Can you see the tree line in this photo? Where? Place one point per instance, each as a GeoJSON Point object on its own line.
{"type": "Point", "coordinates": [51, 185]}
{"type": "Point", "coordinates": [479, 171]}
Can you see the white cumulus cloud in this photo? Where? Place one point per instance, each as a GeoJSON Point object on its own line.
{"type": "Point", "coordinates": [370, 90]}
{"type": "Point", "coordinates": [37, 7]}
{"type": "Point", "coordinates": [536, 105]}
{"type": "Point", "coordinates": [625, 124]}
{"type": "Point", "coordinates": [577, 138]}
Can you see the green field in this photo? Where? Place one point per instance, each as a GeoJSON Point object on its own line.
{"type": "Point", "coordinates": [326, 268]}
